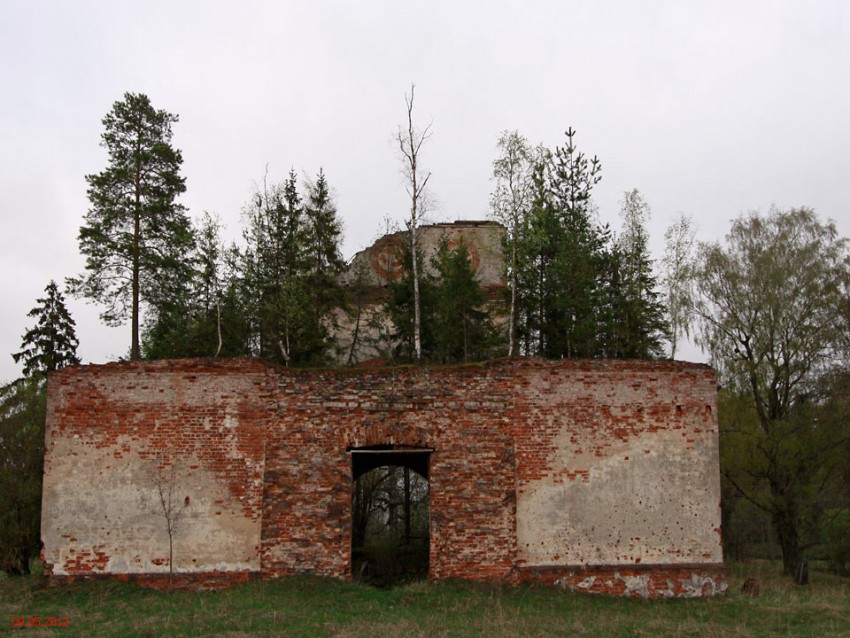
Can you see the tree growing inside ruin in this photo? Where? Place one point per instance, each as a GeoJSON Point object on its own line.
{"type": "Point", "coordinates": [766, 304]}
{"type": "Point", "coordinates": [677, 264]}
{"type": "Point", "coordinates": [207, 317]}
{"type": "Point", "coordinates": [510, 204]}
{"type": "Point", "coordinates": [401, 308]}
{"type": "Point", "coordinates": [462, 328]}
{"type": "Point", "coordinates": [287, 271]}
{"type": "Point", "coordinates": [410, 140]}
{"type": "Point", "coordinates": [273, 266]}
{"type": "Point", "coordinates": [561, 281]}
{"type": "Point", "coordinates": [635, 315]}
{"type": "Point", "coordinates": [135, 236]}
{"type": "Point", "coordinates": [52, 342]}
{"type": "Point", "coordinates": [324, 262]}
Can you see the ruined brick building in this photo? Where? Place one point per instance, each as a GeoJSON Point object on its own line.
{"type": "Point", "coordinates": [594, 475]}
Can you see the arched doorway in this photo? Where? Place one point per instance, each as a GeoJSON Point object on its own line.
{"type": "Point", "coordinates": [390, 514]}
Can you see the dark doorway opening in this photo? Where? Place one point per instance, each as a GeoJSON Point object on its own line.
{"type": "Point", "coordinates": [390, 514]}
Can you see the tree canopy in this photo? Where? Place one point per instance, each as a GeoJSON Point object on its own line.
{"type": "Point", "coordinates": [766, 304]}
{"type": "Point", "coordinates": [52, 342]}
{"type": "Point", "coordinates": [135, 237]}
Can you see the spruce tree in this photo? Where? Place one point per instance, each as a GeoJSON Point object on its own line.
{"type": "Point", "coordinates": [323, 236]}
{"type": "Point", "coordinates": [136, 235]}
{"type": "Point", "coordinates": [636, 325]}
{"type": "Point", "coordinates": [560, 281]}
{"type": "Point", "coordinates": [52, 342]}
{"type": "Point", "coordinates": [274, 267]}
{"type": "Point", "coordinates": [462, 328]}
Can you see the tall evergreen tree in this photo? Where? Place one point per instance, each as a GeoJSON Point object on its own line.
{"type": "Point", "coordinates": [52, 342]}
{"type": "Point", "coordinates": [636, 327]}
{"type": "Point", "coordinates": [276, 268]}
{"type": "Point", "coordinates": [136, 235]}
{"type": "Point", "coordinates": [462, 328]}
{"type": "Point", "coordinates": [324, 263]}
{"type": "Point", "coordinates": [274, 243]}
{"type": "Point", "coordinates": [562, 278]}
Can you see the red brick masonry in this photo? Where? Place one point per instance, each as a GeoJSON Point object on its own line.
{"type": "Point", "coordinates": [598, 476]}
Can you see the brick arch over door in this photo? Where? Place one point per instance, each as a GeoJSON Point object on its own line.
{"type": "Point", "coordinates": [391, 434]}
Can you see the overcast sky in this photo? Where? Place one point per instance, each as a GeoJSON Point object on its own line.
{"type": "Point", "coordinates": [711, 108]}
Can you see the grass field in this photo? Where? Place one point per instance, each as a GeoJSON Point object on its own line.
{"type": "Point", "coordinates": [316, 607]}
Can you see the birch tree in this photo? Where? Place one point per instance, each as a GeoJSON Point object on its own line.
{"type": "Point", "coordinates": [766, 304]}
{"type": "Point", "coordinates": [677, 269]}
{"type": "Point", "coordinates": [510, 205]}
{"type": "Point", "coordinates": [410, 140]}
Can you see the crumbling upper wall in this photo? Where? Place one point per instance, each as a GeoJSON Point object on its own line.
{"type": "Point", "coordinates": [381, 263]}
{"type": "Point", "coordinates": [364, 331]}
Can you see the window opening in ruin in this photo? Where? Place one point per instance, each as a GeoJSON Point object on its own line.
{"type": "Point", "coordinates": [390, 516]}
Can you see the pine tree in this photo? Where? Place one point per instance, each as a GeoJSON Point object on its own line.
{"type": "Point", "coordinates": [52, 343]}
{"type": "Point", "coordinates": [136, 236]}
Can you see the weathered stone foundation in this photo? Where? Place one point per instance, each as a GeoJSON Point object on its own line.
{"type": "Point", "coordinates": [637, 581]}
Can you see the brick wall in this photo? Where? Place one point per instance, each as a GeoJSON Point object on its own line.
{"type": "Point", "coordinates": [617, 464]}
{"type": "Point", "coordinates": [569, 472]}
{"type": "Point", "coordinates": [118, 434]}
{"type": "Point", "coordinates": [462, 413]}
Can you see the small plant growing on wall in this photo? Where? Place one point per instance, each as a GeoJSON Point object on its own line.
{"type": "Point", "coordinates": [165, 501]}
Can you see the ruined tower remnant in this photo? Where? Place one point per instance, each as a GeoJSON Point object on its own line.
{"type": "Point", "coordinates": [361, 332]}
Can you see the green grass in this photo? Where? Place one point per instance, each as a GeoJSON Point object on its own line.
{"type": "Point", "coordinates": [306, 606]}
